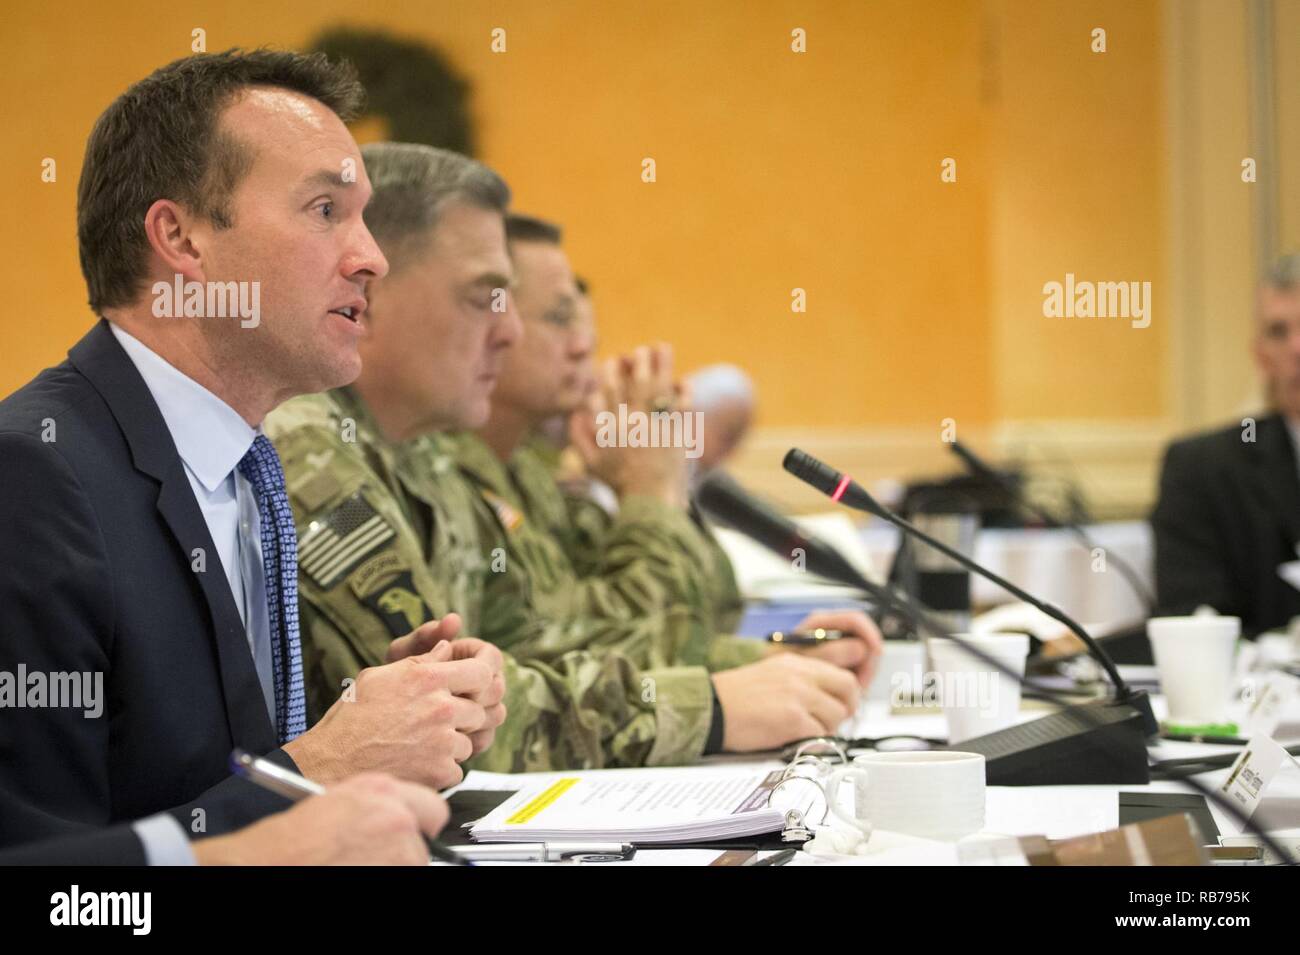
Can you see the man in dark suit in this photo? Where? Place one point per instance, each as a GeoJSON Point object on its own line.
{"type": "Point", "coordinates": [1229, 509]}
{"type": "Point", "coordinates": [148, 544]}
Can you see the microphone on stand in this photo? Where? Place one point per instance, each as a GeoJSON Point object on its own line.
{"type": "Point", "coordinates": [840, 487]}
{"type": "Point", "coordinates": [1080, 744]}
{"type": "Point", "coordinates": [728, 503]}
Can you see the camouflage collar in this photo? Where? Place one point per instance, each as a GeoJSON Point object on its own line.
{"type": "Point", "coordinates": [407, 459]}
{"type": "Point", "coordinates": [481, 464]}
{"type": "Point", "coordinates": [350, 405]}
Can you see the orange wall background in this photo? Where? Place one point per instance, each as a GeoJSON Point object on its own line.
{"type": "Point", "coordinates": [776, 170]}
{"type": "Point", "coordinates": [1079, 187]}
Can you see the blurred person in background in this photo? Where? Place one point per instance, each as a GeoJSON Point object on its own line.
{"type": "Point", "coordinates": [1228, 514]}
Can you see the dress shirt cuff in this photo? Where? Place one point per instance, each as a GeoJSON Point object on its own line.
{"type": "Point", "coordinates": [165, 842]}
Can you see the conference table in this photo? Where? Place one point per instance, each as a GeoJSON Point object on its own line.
{"type": "Point", "coordinates": [1049, 563]}
{"type": "Point", "coordinates": [1056, 812]}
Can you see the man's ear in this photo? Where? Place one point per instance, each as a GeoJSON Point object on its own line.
{"type": "Point", "coordinates": [169, 228]}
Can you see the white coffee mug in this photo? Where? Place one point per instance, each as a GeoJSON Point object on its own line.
{"type": "Point", "coordinates": [936, 794]}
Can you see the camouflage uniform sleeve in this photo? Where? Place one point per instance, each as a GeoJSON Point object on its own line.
{"type": "Point", "coordinates": [536, 627]}
{"type": "Point", "coordinates": [728, 603]}
{"type": "Point", "coordinates": [589, 711]}
{"type": "Point", "coordinates": [585, 526]}
{"type": "Point", "coordinates": [534, 604]}
{"type": "Point", "coordinates": [534, 607]}
{"type": "Point", "coordinates": [588, 524]}
{"type": "Point", "coordinates": [726, 652]}
{"type": "Point", "coordinates": [651, 555]}
{"type": "Point", "coordinates": [650, 539]}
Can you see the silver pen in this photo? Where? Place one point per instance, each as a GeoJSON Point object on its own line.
{"type": "Point", "coordinates": [547, 852]}
{"type": "Point", "coordinates": [275, 778]}
{"type": "Point", "coordinates": [295, 788]}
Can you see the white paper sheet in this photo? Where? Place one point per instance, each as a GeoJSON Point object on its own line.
{"type": "Point", "coordinates": [642, 805]}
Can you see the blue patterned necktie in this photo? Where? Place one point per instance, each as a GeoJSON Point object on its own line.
{"type": "Point", "coordinates": [261, 466]}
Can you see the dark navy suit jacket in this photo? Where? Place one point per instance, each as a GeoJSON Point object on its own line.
{"type": "Point", "coordinates": [99, 529]}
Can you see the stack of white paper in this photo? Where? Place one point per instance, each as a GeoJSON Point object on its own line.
{"type": "Point", "coordinates": [692, 804]}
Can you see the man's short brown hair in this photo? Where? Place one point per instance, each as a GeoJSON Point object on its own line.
{"type": "Point", "coordinates": [412, 183]}
{"type": "Point", "coordinates": [525, 228]}
{"type": "Point", "coordinates": [161, 140]}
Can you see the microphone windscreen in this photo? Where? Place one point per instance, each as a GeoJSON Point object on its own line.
{"type": "Point", "coordinates": [808, 469]}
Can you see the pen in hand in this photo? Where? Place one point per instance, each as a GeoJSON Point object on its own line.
{"type": "Point", "coordinates": [294, 787]}
{"type": "Point", "coordinates": [804, 638]}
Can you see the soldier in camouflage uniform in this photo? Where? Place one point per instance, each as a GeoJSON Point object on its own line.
{"type": "Point", "coordinates": [649, 557]}
{"type": "Point", "coordinates": [651, 554]}
{"type": "Point", "coordinates": [389, 529]}
{"type": "Point", "coordinates": [588, 502]}
{"type": "Point", "coordinates": [584, 514]}
{"type": "Point", "coordinates": [580, 520]}
{"type": "Point", "coordinates": [388, 541]}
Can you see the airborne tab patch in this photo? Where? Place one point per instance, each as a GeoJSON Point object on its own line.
{"type": "Point", "coordinates": [335, 544]}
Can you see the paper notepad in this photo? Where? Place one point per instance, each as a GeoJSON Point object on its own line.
{"type": "Point", "coordinates": [694, 804]}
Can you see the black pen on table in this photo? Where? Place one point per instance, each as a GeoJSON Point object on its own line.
{"type": "Point", "coordinates": [294, 787]}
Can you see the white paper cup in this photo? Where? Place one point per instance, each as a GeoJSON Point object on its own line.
{"type": "Point", "coordinates": [1194, 659]}
{"type": "Point", "coordinates": [934, 795]}
{"type": "Point", "coordinates": [977, 698]}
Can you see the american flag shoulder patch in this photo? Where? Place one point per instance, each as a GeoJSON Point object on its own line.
{"type": "Point", "coordinates": [509, 517]}
{"type": "Point", "coordinates": [332, 546]}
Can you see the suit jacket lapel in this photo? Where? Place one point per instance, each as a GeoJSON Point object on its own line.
{"type": "Point", "coordinates": [100, 358]}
